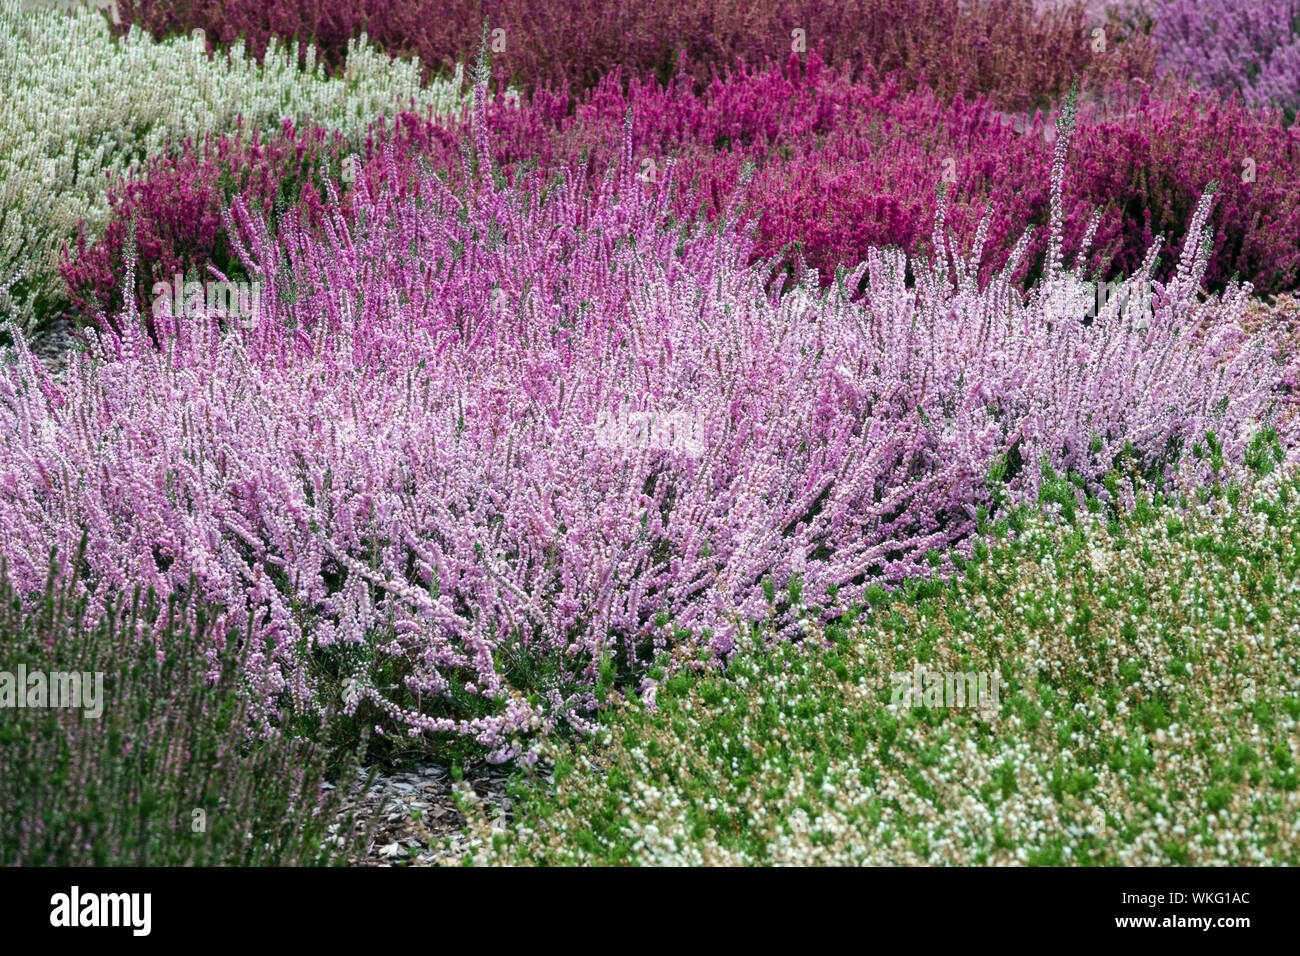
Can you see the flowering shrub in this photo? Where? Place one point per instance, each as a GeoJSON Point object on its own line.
{"type": "Point", "coordinates": [404, 465]}
{"type": "Point", "coordinates": [804, 132]}
{"type": "Point", "coordinates": [844, 166]}
{"type": "Point", "coordinates": [175, 203]}
{"type": "Point", "coordinates": [78, 105]}
{"type": "Point", "coordinates": [840, 167]}
{"type": "Point", "coordinates": [1250, 46]}
{"type": "Point", "coordinates": [1146, 158]}
{"type": "Point", "coordinates": [1125, 729]}
{"type": "Point", "coordinates": [1002, 47]}
{"type": "Point", "coordinates": [114, 783]}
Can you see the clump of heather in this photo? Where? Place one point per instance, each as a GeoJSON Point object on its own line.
{"type": "Point", "coordinates": [174, 204]}
{"type": "Point", "coordinates": [471, 453]}
{"type": "Point", "coordinates": [1250, 46]}
{"type": "Point", "coordinates": [1097, 688]}
{"type": "Point", "coordinates": [131, 747]}
{"type": "Point", "coordinates": [844, 166]}
{"type": "Point", "coordinates": [1006, 48]}
{"type": "Point", "coordinates": [1146, 158]}
{"type": "Point", "coordinates": [80, 104]}
{"type": "Point", "coordinates": [839, 167]}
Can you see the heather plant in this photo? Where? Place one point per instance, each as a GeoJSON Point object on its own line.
{"type": "Point", "coordinates": [174, 203]}
{"type": "Point", "coordinates": [842, 166]}
{"type": "Point", "coordinates": [1247, 45]}
{"type": "Point", "coordinates": [839, 167]}
{"type": "Point", "coordinates": [823, 190]}
{"type": "Point", "coordinates": [1147, 714]}
{"type": "Point", "coordinates": [401, 478]}
{"type": "Point", "coordinates": [1147, 157]}
{"type": "Point", "coordinates": [78, 105]}
{"type": "Point", "coordinates": [1005, 48]}
{"type": "Point", "coordinates": [166, 773]}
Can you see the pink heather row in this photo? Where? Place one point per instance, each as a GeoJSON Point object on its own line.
{"type": "Point", "coordinates": [431, 445]}
{"type": "Point", "coordinates": [840, 166]}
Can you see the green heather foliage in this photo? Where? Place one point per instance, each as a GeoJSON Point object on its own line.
{"type": "Point", "coordinates": [122, 789]}
{"type": "Point", "coordinates": [1149, 713]}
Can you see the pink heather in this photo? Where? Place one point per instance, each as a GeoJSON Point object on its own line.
{"type": "Point", "coordinates": [435, 439]}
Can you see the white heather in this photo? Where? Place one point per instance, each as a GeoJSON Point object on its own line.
{"type": "Point", "coordinates": [76, 104]}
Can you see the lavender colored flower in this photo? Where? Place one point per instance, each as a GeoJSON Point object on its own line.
{"type": "Point", "coordinates": [399, 465]}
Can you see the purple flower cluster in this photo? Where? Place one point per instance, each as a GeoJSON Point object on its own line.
{"type": "Point", "coordinates": [1248, 45]}
{"type": "Point", "coordinates": [516, 429]}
